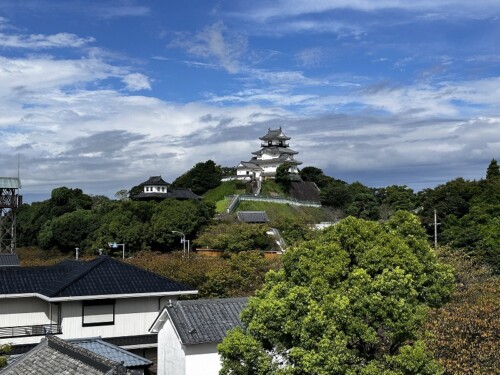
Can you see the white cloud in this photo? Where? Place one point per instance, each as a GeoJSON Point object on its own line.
{"type": "Point", "coordinates": [40, 41]}
{"type": "Point", "coordinates": [136, 82]}
{"type": "Point", "coordinates": [215, 43]}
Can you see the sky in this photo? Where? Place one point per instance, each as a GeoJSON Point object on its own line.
{"type": "Point", "coordinates": [102, 94]}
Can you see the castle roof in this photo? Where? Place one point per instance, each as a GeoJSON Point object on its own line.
{"type": "Point", "coordinates": [273, 134]}
{"type": "Point", "coordinates": [275, 149]}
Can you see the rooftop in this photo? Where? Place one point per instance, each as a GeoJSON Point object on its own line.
{"type": "Point", "coordinates": [10, 183]}
{"type": "Point", "coordinates": [202, 321]}
{"type": "Point", "coordinates": [71, 279]}
{"type": "Point", "coordinates": [9, 260]}
{"type": "Point", "coordinates": [56, 356]}
{"type": "Point", "coordinates": [252, 216]}
{"type": "Point", "coordinates": [273, 134]}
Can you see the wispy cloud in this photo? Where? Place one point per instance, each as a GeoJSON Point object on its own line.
{"type": "Point", "coordinates": [216, 44]}
{"type": "Point", "coordinates": [137, 82]}
{"type": "Point", "coordinates": [40, 41]}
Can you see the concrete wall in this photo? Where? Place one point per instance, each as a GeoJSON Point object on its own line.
{"type": "Point", "coordinates": [202, 359]}
{"type": "Point", "coordinates": [171, 357]}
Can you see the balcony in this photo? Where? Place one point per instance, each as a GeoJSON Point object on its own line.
{"type": "Point", "coordinates": [33, 330]}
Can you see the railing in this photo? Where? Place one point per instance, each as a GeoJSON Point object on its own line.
{"type": "Point", "coordinates": [32, 330]}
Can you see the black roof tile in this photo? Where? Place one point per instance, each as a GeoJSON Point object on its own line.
{"type": "Point", "coordinates": [100, 276]}
{"type": "Point", "coordinates": [203, 321]}
{"type": "Point", "coordinates": [9, 260]}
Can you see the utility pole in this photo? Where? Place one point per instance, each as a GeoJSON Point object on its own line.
{"type": "Point", "coordinates": [435, 229]}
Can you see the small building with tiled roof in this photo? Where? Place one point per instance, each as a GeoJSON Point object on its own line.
{"type": "Point", "coordinates": [156, 188]}
{"type": "Point", "coordinates": [55, 356]}
{"type": "Point", "coordinates": [189, 332]}
{"type": "Point", "coordinates": [252, 217]}
{"type": "Point", "coordinates": [73, 299]}
{"type": "Point", "coordinates": [274, 152]}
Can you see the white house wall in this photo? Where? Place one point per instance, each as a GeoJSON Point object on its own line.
{"type": "Point", "coordinates": [133, 316]}
{"type": "Point", "coordinates": [23, 312]}
{"type": "Point", "coordinates": [171, 357]}
{"type": "Point", "coordinates": [202, 359]}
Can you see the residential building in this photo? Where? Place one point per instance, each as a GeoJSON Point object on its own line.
{"type": "Point", "coordinates": [156, 188]}
{"type": "Point", "coordinates": [73, 299]}
{"type": "Point", "coordinates": [189, 332]}
{"type": "Point", "coordinates": [55, 356]}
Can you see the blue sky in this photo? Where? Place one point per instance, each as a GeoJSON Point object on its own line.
{"type": "Point", "coordinates": [102, 94]}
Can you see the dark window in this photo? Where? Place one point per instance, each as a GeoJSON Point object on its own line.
{"type": "Point", "coordinates": [98, 312]}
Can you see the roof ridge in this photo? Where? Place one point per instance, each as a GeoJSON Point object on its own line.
{"type": "Point", "coordinates": [85, 267]}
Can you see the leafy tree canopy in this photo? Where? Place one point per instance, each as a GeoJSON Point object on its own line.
{"type": "Point", "coordinates": [493, 170]}
{"type": "Point", "coordinates": [351, 301]}
{"type": "Point", "coordinates": [201, 178]}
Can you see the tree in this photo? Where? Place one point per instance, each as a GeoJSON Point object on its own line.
{"type": "Point", "coordinates": [315, 175]}
{"type": "Point", "coordinates": [283, 177]}
{"type": "Point", "coordinates": [493, 171]}
{"type": "Point", "coordinates": [235, 237]}
{"type": "Point", "coordinates": [351, 301]}
{"type": "Point", "coordinates": [201, 178]}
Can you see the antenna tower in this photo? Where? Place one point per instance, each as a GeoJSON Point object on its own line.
{"type": "Point", "coordinates": [10, 200]}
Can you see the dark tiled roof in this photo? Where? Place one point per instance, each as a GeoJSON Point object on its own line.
{"type": "Point", "coordinates": [55, 356]}
{"type": "Point", "coordinates": [274, 134]}
{"type": "Point", "coordinates": [252, 216]}
{"type": "Point", "coordinates": [175, 193]}
{"type": "Point", "coordinates": [9, 260]}
{"type": "Point", "coordinates": [275, 149]}
{"type": "Point", "coordinates": [100, 276]}
{"type": "Point", "coordinates": [305, 191]}
{"type": "Point", "coordinates": [155, 180]}
{"type": "Point", "coordinates": [248, 165]}
{"type": "Point", "coordinates": [112, 352]}
{"type": "Point", "coordinates": [203, 321]}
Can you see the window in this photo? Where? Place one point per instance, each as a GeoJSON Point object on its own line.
{"type": "Point", "coordinates": [98, 312]}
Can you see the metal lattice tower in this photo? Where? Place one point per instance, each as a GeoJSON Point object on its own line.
{"type": "Point", "coordinates": [10, 200]}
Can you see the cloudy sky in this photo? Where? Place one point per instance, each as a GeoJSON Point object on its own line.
{"type": "Point", "coordinates": [102, 94]}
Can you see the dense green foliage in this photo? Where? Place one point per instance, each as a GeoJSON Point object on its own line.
{"type": "Point", "coordinates": [234, 237]}
{"type": "Point", "coordinates": [351, 301]}
{"type": "Point", "coordinates": [201, 178]}
{"type": "Point", "coordinates": [72, 219]}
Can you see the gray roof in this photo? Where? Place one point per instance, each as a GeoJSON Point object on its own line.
{"type": "Point", "coordinates": [274, 134]}
{"type": "Point", "coordinates": [155, 180]}
{"type": "Point", "coordinates": [9, 260]}
{"type": "Point", "coordinates": [112, 352]}
{"type": "Point", "coordinates": [269, 149]}
{"type": "Point", "coordinates": [55, 356]}
{"type": "Point", "coordinates": [252, 216]}
{"type": "Point", "coordinates": [248, 165]}
{"type": "Point", "coordinates": [204, 320]}
{"type": "Point", "coordinates": [10, 183]}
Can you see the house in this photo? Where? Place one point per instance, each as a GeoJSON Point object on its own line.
{"type": "Point", "coordinates": [74, 299]}
{"type": "Point", "coordinates": [274, 152]}
{"type": "Point", "coordinates": [189, 332]}
{"type": "Point", "coordinates": [156, 188]}
{"type": "Point", "coordinates": [55, 356]}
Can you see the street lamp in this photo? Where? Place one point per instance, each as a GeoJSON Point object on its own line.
{"type": "Point", "coordinates": [114, 245]}
{"type": "Point", "coordinates": [183, 241]}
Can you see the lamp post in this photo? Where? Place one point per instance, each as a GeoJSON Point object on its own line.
{"type": "Point", "coordinates": [114, 245]}
{"type": "Point", "coordinates": [183, 240]}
